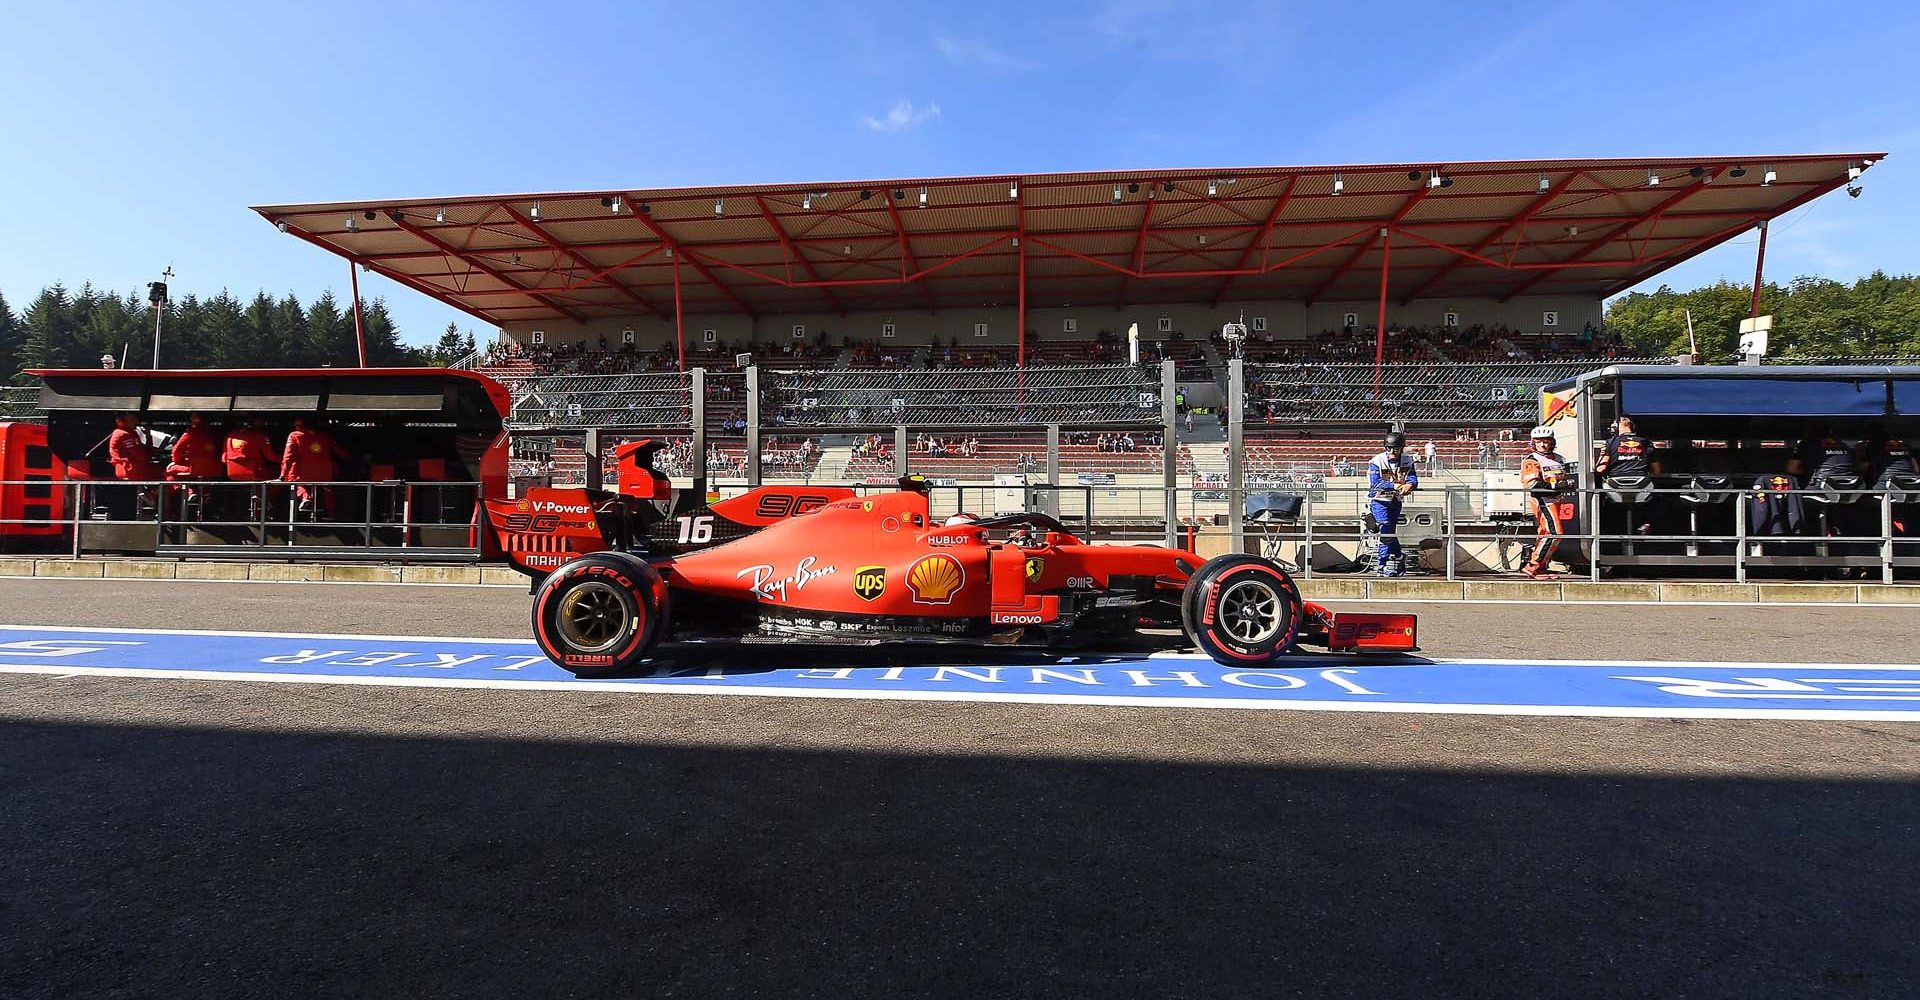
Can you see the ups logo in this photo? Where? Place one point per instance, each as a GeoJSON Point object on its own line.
{"type": "Point", "coordinates": [870, 582]}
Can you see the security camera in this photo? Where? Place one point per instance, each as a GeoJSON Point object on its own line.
{"type": "Point", "coordinates": [1853, 190]}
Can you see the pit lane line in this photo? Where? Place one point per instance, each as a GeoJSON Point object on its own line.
{"type": "Point", "coordinates": [1569, 690]}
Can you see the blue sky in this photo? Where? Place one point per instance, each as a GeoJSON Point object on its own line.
{"type": "Point", "coordinates": [134, 136]}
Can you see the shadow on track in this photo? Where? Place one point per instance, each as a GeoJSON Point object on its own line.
{"type": "Point", "coordinates": [724, 658]}
{"type": "Point", "coordinates": [169, 862]}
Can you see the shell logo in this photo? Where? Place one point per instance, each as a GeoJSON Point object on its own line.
{"type": "Point", "coordinates": [523, 506]}
{"type": "Point", "coordinates": [935, 579]}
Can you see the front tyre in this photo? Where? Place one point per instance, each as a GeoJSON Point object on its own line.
{"type": "Point", "coordinates": [600, 614]}
{"type": "Point", "coordinates": [1241, 610]}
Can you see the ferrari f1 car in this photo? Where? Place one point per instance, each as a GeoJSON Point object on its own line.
{"type": "Point", "coordinates": [617, 573]}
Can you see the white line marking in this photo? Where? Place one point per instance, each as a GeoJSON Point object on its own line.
{"type": "Point", "coordinates": [602, 687]}
{"type": "Point", "coordinates": [1308, 658]}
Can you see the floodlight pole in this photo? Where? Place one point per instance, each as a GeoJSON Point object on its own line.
{"type": "Point", "coordinates": [1380, 328]}
{"type": "Point", "coordinates": [359, 327]}
{"type": "Point", "coordinates": [1759, 265]}
{"type": "Point", "coordinates": [159, 309]}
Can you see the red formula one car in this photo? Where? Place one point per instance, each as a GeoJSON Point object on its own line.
{"type": "Point", "coordinates": [618, 573]}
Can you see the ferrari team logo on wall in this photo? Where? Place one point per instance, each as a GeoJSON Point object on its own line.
{"type": "Point", "coordinates": [870, 582]}
{"type": "Point", "coordinates": [935, 578]}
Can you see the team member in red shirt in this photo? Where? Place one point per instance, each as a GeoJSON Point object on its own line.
{"type": "Point", "coordinates": [196, 452]}
{"type": "Point", "coordinates": [311, 456]}
{"type": "Point", "coordinates": [250, 458]}
{"type": "Point", "coordinates": [132, 459]}
{"type": "Point", "coordinates": [249, 454]}
{"type": "Point", "coordinates": [196, 458]}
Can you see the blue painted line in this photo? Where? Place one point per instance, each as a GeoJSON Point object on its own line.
{"type": "Point", "coordinates": [1782, 690]}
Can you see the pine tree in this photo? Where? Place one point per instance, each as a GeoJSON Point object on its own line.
{"type": "Point", "coordinates": [12, 334]}
{"type": "Point", "coordinates": [288, 348]}
{"type": "Point", "coordinates": [263, 339]}
{"type": "Point", "coordinates": [384, 347]}
{"type": "Point", "coordinates": [328, 339]}
{"type": "Point", "coordinates": [226, 337]}
{"type": "Point", "coordinates": [183, 340]}
{"type": "Point", "coordinates": [107, 325]}
{"type": "Point", "coordinates": [451, 347]}
{"type": "Point", "coordinates": [49, 336]}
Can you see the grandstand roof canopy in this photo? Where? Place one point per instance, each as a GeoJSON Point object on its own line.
{"type": "Point", "coordinates": [1110, 238]}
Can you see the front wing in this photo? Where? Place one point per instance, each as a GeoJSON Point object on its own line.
{"type": "Point", "coordinates": [1359, 631]}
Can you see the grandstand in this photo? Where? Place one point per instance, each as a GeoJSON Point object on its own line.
{"type": "Point", "coordinates": [976, 312]}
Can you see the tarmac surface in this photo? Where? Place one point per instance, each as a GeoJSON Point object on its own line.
{"type": "Point", "coordinates": [169, 837]}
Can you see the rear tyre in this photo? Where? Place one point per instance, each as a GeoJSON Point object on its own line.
{"type": "Point", "coordinates": [600, 615]}
{"type": "Point", "coordinates": [1241, 610]}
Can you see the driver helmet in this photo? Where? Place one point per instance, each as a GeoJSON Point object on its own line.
{"type": "Point", "coordinates": [962, 518]}
{"type": "Point", "coordinates": [1396, 441]}
{"type": "Point", "coordinates": [1542, 433]}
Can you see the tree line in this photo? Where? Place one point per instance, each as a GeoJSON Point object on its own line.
{"type": "Point", "coordinates": [62, 328]}
{"type": "Point", "coordinates": [1812, 317]}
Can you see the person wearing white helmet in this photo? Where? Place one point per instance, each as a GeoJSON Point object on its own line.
{"type": "Point", "coordinates": [1550, 488]}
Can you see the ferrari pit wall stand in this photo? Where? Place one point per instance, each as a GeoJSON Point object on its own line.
{"type": "Point", "coordinates": [617, 573]}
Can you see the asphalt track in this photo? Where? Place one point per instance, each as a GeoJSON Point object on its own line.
{"type": "Point", "coordinates": [169, 837]}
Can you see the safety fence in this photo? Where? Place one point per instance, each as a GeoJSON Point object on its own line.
{"type": "Point", "coordinates": [1492, 393]}
{"type": "Point", "coordinates": [660, 399]}
{"type": "Point", "coordinates": [20, 402]}
{"type": "Point", "coordinates": [1456, 531]}
{"type": "Point", "coordinates": [1644, 531]}
{"type": "Point", "coordinates": [338, 519]}
{"type": "Point", "coordinates": [1003, 397]}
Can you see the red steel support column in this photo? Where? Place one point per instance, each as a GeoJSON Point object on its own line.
{"type": "Point", "coordinates": [1380, 330]}
{"type": "Point", "coordinates": [1023, 304]}
{"type": "Point", "coordinates": [679, 321]}
{"type": "Point", "coordinates": [359, 330]}
{"type": "Point", "coordinates": [1759, 265]}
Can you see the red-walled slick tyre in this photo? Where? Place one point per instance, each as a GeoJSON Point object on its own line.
{"type": "Point", "coordinates": [1241, 610]}
{"type": "Point", "coordinates": [600, 614]}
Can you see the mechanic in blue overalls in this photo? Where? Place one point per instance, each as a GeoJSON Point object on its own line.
{"type": "Point", "coordinates": [1390, 477]}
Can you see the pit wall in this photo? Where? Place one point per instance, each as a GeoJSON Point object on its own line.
{"type": "Point", "coordinates": [1284, 320]}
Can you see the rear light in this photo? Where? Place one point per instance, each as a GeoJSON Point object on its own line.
{"type": "Point", "coordinates": [1383, 633]}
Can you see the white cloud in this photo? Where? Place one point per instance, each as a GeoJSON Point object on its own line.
{"type": "Point", "coordinates": [902, 116]}
{"type": "Point", "coordinates": [969, 54]}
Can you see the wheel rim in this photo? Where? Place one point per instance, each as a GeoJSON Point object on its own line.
{"type": "Point", "coordinates": [592, 617]}
{"type": "Point", "coordinates": [1250, 612]}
